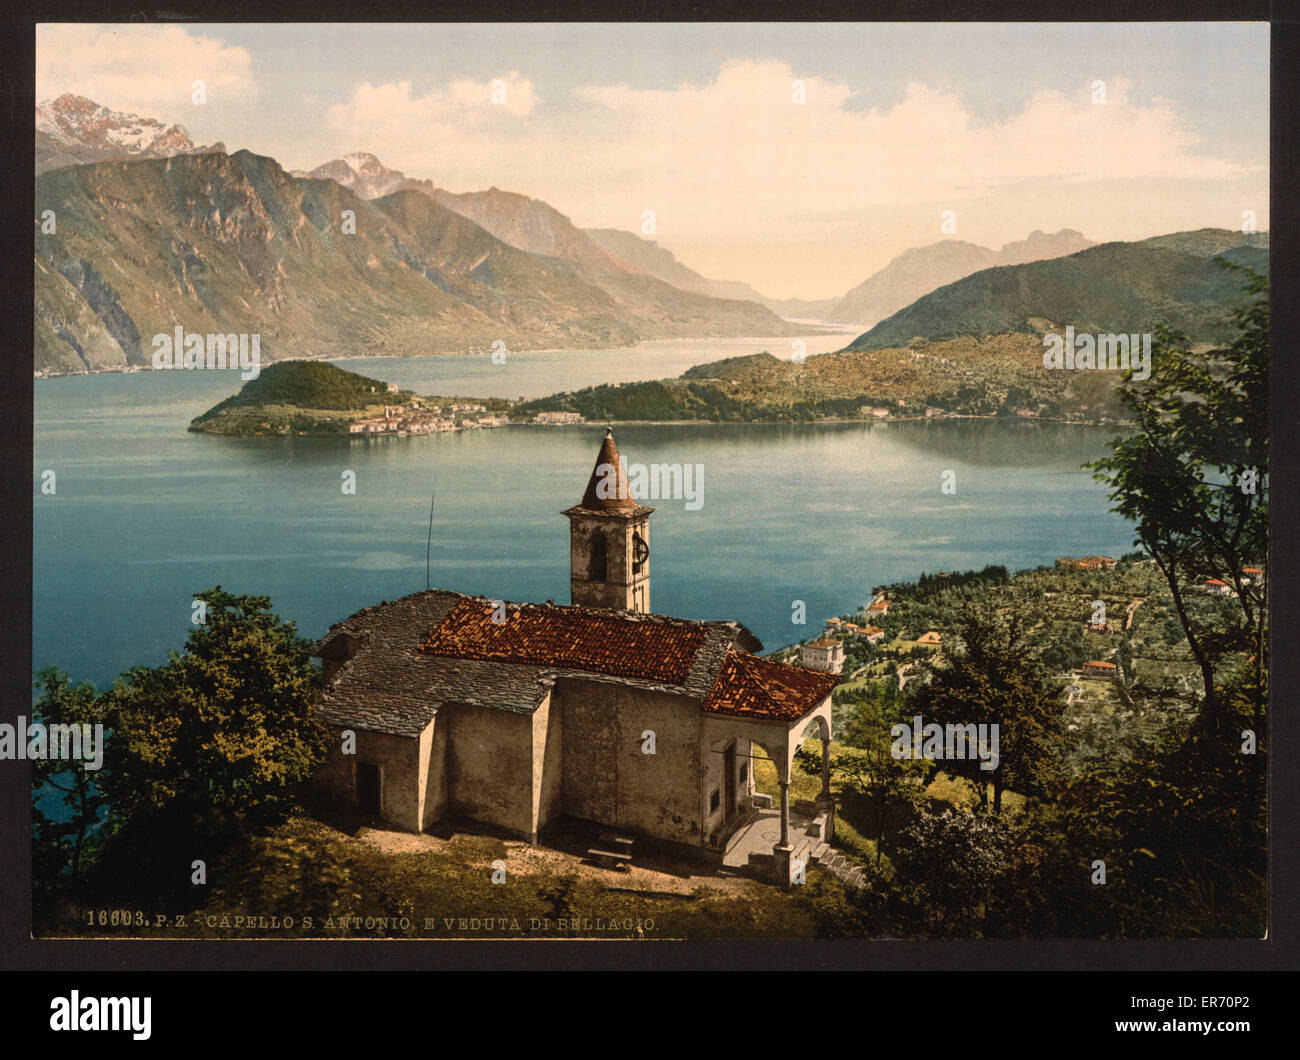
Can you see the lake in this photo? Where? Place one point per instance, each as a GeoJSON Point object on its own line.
{"type": "Point", "coordinates": [145, 514]}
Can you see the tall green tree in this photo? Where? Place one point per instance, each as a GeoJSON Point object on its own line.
{"type": "Point", "coordinates": [1193, 479]}
{"type": "Point", "coordinates": [67, 801]}
{"type": "Point", "coordinates": [226, 727]}
{"type": "Point", "coordinates": [866, 763]}
{"type": "Point", "coordinates": [992, 681]}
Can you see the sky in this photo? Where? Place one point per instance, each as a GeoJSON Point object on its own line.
{"type": "Point", "coordinates": [797, 157]}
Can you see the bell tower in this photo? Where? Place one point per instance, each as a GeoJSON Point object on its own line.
{"type": "Point", "coordinates": [609, 539]}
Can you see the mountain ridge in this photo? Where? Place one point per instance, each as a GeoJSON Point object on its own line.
{"type": "Point", "coordinates": [1111, 287]}
{"type": "Point", "coordinates": [234, 243]}
{"type": "Point", "coordinates": [74, 130]}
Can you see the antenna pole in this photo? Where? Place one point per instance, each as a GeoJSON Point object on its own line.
{"type": "Point", "coordinates": [428, 551]}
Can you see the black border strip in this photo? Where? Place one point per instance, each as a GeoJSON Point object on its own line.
{"type": "Point", "coordinates": [19, 951]}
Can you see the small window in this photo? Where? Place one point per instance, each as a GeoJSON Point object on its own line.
{"type": "Point", "coordinates": [744, 772]}
{"type": "Point", "coordinates": [715, 800]}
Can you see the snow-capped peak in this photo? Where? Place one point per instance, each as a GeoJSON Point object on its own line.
{"type": "Point", "coordinates": [75, 120]}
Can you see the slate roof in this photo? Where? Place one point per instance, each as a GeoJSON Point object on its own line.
{"type": "Point", "coordinates": [399, 661]}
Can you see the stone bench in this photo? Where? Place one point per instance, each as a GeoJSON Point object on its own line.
{"type": "Point", "coordinates": [611, 859]}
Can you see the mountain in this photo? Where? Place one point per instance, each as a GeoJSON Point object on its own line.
{"type": "Point", "coordinates": [1114, 287]}
{"type": "Point", "coordinates": [646, 255]}
{"type": "Point", "coordinates": [526, 223]}
{"type": "Point", "coordinates": [531, 225]}
{"type": "Point", "coordinates": [538, 228]}
{"type": "Point", "coordinates": [1206, 242]}
{"type": "Point", "coordinates": [363, 173]}
{"type": "Point", "coordinates": [73, 130]}
{"type": "Point", "coordinates": [226, 244]}
{"type": "Point", "coordinates": [921, 270]}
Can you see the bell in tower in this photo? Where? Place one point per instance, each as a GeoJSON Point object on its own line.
{"type": "Point", "coordinates": [609, 539]}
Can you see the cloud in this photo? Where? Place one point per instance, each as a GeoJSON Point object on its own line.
{"type": "Point", "coordinates": [145, 70]}
{"type": "Point", "coordinates": [394, 108]}
{"type": "Point", "coordinates": [737, 153]}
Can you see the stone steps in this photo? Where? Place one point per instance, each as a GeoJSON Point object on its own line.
{"type": "Point", "coordinates": [844, 869]}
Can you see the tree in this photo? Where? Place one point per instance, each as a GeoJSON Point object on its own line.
{"type": "Point", "coordinates": [993, 682]}
{"type": "Point", "coordinates": [227, 727]}
{"type": "Point", "coordinates": [66, 800]}
{"type": "Point", "coordinates": [1066, 650]}
{"type": "Point", "coordinates": [1193, 479]}
{"type": "Point", "coordinates": [867, 765]}
{"type": "Point", "coordinates": [953, 862]}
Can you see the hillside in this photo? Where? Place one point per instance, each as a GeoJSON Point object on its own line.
{"type": "Point", "coordinates": [529, 224]}
{"type": "Point", "coordinates": [998, 376]}
{"type": "Point", "coordinates": [1115, 287]}
{"type": "Point", "coordinates": [919, 271]}
{"type": "Point", "coordinates": [233, 243]}
{"type": "Point", "coordinates": [313, 398]}
{"type": "Point", "coordinates": [307, 384]}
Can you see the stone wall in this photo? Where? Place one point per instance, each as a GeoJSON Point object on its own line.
{"type": "Point", "coordinates": [607, 778]}
{"type": "Point", "coordinates": [403, 765]}
{"type": "Point", "coordinates": [489, 766]}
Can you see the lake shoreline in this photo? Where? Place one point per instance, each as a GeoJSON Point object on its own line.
{"type": "Point", "coordinates": [675, 423]}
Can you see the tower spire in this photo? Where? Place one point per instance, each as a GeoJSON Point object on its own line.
{"type": "Point", "coordinates": [609, 551]}
{"type": "Point", "coordinates": [607, 489]}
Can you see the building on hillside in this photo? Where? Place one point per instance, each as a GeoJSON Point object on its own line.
{"type": "Point", "coordinates": [871, 634]}
{"type": "Point", "coordinates": [528, 717]}
{"type": "Point", "coordinates": [1252, 575]}
{"type": "Point", "coordinates": [1098, 627]}
{"type": "Point", "coordinates": [825, 654]}
{"type": "Point", "coordinates": [1086, 563]}
{"type": "Point", "coordinates": [1218, 587]}
{"type": "Point", "coordinates": [1098, 668]}
{"type": "Point", "coordinates": [555, 419]}
{"type": "Point", "coordinates": [879, 608]}
{"type": "Point", "coordinates": [930, 639]}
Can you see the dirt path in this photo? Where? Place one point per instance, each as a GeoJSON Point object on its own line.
{"type": "Point", "coordinates": [527, 859]}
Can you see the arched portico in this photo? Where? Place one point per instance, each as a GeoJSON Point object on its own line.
{"type": "Point", "coordinates": [780, 740]}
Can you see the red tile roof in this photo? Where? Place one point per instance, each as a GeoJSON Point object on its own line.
{"type": "Point", "coordinates": [748, 686]}
{"type": "Point", "coordinates": [578, 638]}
